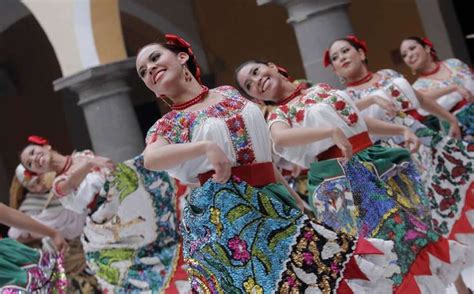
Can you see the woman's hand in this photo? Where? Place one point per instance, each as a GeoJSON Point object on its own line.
{"type": "Point", "coordinates": [465, 93]}
{"type": "Point", "coordinates": [454, 130]}
{"type": "Point", "coordinates": [59, 242]}
{"type": "Point", "coordinates": [102, 162]}
{"type": "Point", "coordinates": [389, 106]}
{"type": "Point", "coordinates": [341, 141]}
{"type": "Point", "coordinates": [219, 161]}
{"type": "Point", "coordinates": [412, 142]}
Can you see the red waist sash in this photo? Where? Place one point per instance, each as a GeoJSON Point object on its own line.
{"type": "Point", "coordinates": [359, 142]}
{"type": "Point", "coordinates": [256, 175]}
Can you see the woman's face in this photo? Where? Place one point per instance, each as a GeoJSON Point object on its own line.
{"type": "Point", "coordinates": [36, 158]}
{"type": "Point", "coordinates": [260, 81]}
{"type": "Point", "coordinates": [346, 60]}
{"type": "Point", "coordinates": [414, 55]}
{"type": "Point", "coordinates": [159, 68]}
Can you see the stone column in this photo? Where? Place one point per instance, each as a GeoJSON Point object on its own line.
{"type": "Point", "coordinates": [104, 97]}
{"type": "Point", "coordinates": [317, 23]}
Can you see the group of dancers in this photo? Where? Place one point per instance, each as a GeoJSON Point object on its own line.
{"type": "Point", "coordinates": [205, 208]}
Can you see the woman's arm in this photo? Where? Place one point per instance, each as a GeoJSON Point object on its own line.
{"type": "Point", "coordinates": [434, 94]}
{"type": "Point", "coordinates": [285, 136]}
{"type": "Point", "coordinates": [378, 127]}
{"type": "Point", "coordinates": [280, 179]}
{"type": "Point", "coordinates": [387, 105]}
{"type": "Point", "coordinates": [162, 156]}
{"type": "Point", "coordinates": [72, 181]}
{"type": "Point", "coordinates": [427, 103]}
{"type": "Point", "coordinates": [17, 219]}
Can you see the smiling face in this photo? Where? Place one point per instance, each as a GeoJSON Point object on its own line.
{"type": "Point", "coordinates": [415, 55]}
{"type": "Point", "coordinates": [36, 158]}
{"type": "Point", "coordinates": [346, 60]}
{"type": "Point", "coordinates": [159, 68]}
{"type": "Point", "coordinates": [261, 81]}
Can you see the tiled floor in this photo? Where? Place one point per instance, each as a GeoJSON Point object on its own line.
{"type": "Point", "coordinates": [468, 276]}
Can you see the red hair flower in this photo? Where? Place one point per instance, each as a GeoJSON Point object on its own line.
{"type": "Point", "coordinates": [180, 42]}
{"type": "Point", "coordinates": [326, 58]}
{"type": "Point", "coordinates": [361, 43]}
{"type": "Point", "coordinates": [37, 140]}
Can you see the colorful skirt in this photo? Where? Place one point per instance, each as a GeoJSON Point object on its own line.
{"type": "Point", "coordinates": [131, 241]}
{"type": "Point", "coordinates": [378, 195]}
{"type": "Point", "coordinates": [26, 270]}
{"type": "Point", "coordinates": [241, 239]}
{"type": "Point", "coordinates": [447, 171]}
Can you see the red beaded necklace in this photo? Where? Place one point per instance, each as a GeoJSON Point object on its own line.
{"type": "Point", "coordinates": [195, 100]}
{"type": "Point", "coordinates": [435, 70]}
{"type": "Point", "coordinates": [364, 80]}
{"type": "Point", "coordinates": [292, 95]}
{"type": "Point", "coordinates": [66, 166]}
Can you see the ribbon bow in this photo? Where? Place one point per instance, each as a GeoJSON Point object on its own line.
{"type": "Point", "coordinates": [180, 42]}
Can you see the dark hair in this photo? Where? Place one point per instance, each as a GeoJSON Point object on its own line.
{"type": "Point", "coordinates": [281, 71]}
{"type": "Point", "coordinates": [353, 44]}
{"type": "Point", "coordinates": [423, 43]}
{"type": "Point", "coordinates": [191, 64]}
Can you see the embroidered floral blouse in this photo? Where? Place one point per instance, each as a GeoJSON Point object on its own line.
{"type": "Point", "coordinates": [235, 124]}
{"type": "Point", "coordinates": [461, 74]}
{"type": "Point", "coordinates": [321, 106]}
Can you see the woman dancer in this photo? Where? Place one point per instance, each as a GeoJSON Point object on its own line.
{"type": "Point", "coordinates": [451, 79]}
{"type": "Point", "coordinates": [242, 231]}
{"type": "Point", "coordinates": [130, 239]}
{"type": "Point", "coordinates": [25, 269]}
{"type": "Point", "coordinates": [445, 162]}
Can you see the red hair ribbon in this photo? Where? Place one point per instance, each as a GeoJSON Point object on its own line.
{"type": "Point", "coordinates": [326, 58]}
{"type": "Point", "coordinates": [180, 42]}
{"type": "Point", "coordinates": [283, 71]}
{"type": "Point", "coordinates": [37, 140]}
{"type": "Point", "coordinates": [428, 43]}
{"type": "Point", "coordinates": [361, 43]}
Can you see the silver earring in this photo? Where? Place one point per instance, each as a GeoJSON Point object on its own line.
{"type": "Point", "coordinates": [342, 80]}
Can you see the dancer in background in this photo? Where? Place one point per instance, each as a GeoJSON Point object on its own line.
{"type": "Point", "coordinates": [451, 79]}
{"type": "Point", "coordinates": [130, 238]}
{"type": "Point", "coordinates": [445, 162]}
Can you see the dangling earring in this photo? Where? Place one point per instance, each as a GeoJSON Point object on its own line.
{"type": "Point", "coordinates": [187, 74]}
{"type": "Point", "coordinates": [413, 72]}
{"type": "Point", "coordinates": [164, 99]}
{"type": "Point", "coordinates": [342, 80]}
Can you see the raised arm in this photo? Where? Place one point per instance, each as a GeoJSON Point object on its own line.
{"type": "Point", "coordinates": [72, 181]}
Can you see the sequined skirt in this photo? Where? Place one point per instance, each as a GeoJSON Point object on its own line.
{"type": "Point", "coordinates": [240, 239]}
{"type": "Point", "coordinates": [378, 194]}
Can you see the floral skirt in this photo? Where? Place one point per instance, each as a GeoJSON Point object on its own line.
{"type": "Point", "coordinates": [241, 239]}
{"type": "Point", "coordinates": [377, 194]}
{"type": "Point", "coordinates": [23, 269]}
{"type": "Point", "coordinates": [446, 167]}
{"type": "Point", "coordinates": [131, 241]}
